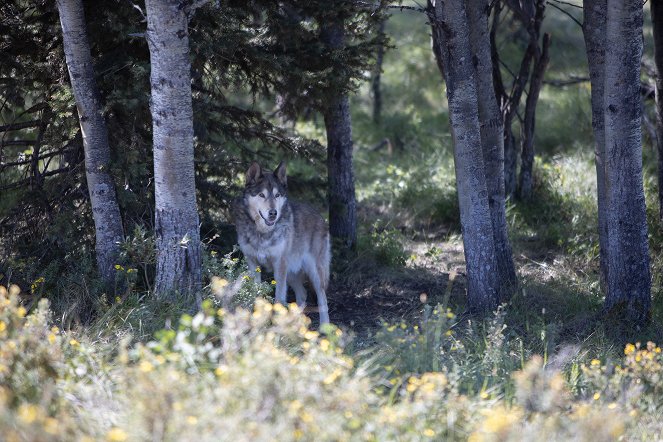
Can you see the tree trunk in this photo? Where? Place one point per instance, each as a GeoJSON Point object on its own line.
{"type": "Point", "coordinates": [176, 213]}
{"type": "Point", "coordinates": [477, 228]}
{"type": "Point", "coordinates": [377, 75]}
{"type": "Point", "coordinates": [527, 153]}
{"type": "Point", "coordinates": [338, 124]}
{"type": "Point", "coordinates": [594, 31]}
{"type": "Point", "coordinates": [628, 277]}
{"type": "Point", "coordinates": [103, 199]}
{"type": "Point", "coordinates": [492, 142]}
{"type": "Point", "coordinates": [657, 22]}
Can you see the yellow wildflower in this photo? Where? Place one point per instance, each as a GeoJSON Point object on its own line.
{"type": "Point", "coordinates": [116, 435]}
{"type": "Point", "coordinates": [74, 343]}
{"type": "Point", "coordinates": [51, 425]}
{"type": "Point", "coordinates": [597, 396]}
{"type": "Point", "coordinates": [428, 432]}
{"type": "Point", "coordinates": [3, 326]}
{"type": "Point", "coordinates": [51, 338]}
{"type": "Point", "coordinates": [21, 311]}
{"type": "Point", "coordinates": [146, 366]}
{"type": "Point", "coordinates": [595, 362]}
{"type": "Point", "coordinates": [630, 348]}
{"type": "Point", "coordinates": [28, 413]}
{"type": "Point", "coordinates": [191, 420]}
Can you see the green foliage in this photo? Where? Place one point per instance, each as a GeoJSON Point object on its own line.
{"type": "Point", "coordinates": [386, 245]}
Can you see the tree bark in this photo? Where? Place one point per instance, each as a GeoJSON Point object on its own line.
{"type": "Point", "coordinates": [657, 22]}
{"type": "Point", "coordinates": [103, 199]}
{"type": "Point", "coordinates": [594, 32]}
{"type": "Point", "coordinates": [527, 152]}
{"type": "Point", "coordinates": [492, 142]}
{"type": "Point", "coordinates": [479, 242]}
{"type": "Point", "coordinates": [338, 124]}
{"type": "Point", "coordinates": [620, 158]}
{"type": "Point", "coordinates": [176, 213]}
{"type": "Point", "coordinates": [628, 275]}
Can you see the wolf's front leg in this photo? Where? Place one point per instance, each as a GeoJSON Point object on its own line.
{"type": "Point", "coordinates": [280, 275]}
{"type": "Point", "coordinates": [253, 270]}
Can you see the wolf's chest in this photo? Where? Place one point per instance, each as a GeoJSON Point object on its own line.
{"type": "Point", "coordinates": [263, 251]}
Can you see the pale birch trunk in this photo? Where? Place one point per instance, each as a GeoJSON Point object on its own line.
{"type": "Point", "coordinates": [341, 185]}
{"type": "Point", "coordinates": [594, 31]}
{"type": "Point", "coordinates": [176, 213]}
{"type": "Point", "coordinates": [657, 23]}
{"type": "Point", "coordinates": [103, 199]}
{"type": "Point", "coordinates": [450, 27]}
{"type": "Point", "coordinates": [628, 275]}
{"type": "Point", "coordinates": [492, 142]}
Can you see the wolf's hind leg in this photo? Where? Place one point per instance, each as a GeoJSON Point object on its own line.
{"type": "Point", "coordinates": [315, 276]}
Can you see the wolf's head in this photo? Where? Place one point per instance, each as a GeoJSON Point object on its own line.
{"type": "Point", "coordinates": [265, 195]}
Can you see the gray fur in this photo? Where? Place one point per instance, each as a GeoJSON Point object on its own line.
{"type": "Point", "coordinates": [295, 246]}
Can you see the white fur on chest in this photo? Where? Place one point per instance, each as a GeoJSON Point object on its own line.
{"type": "Point", "coordinates": [264, 256]}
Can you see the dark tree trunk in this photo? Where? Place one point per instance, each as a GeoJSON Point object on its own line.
{"type": "Point", "coordinates": [492, 141]}
{"type": "Point", "coordinates": [530, 14]}
{"type": "Point", "coordinates": [377, 75]}
{"type": "Point", "coordinates": [176, 215]}
{"type": "Point", "coordinates": [527, 152]}
{"type": "Point", "coordinates": [450, 27]}
{"type": "Point", "coordinates": [627, 275]}
{"type": "Point", "coordinates": [338, 124]}
{"type": "Point", "coordinates": [103, 199]}
{"type": "Point", "coordinates": [628, 278]}
{"type": "Point", "coordinates": [657, 22]}
{"type": "Point", "coordinates": [594, 32]}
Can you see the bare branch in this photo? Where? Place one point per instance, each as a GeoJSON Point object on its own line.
{"type": "Point", "coordinates": [564, 11]}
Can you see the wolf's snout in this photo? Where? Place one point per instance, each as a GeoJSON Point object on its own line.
{"type": "Point", "coordinates": [272, 214]}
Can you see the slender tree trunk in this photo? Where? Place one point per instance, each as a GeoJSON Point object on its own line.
{"type": "Point", "coordinates": [492, 142]}
{"type": "Point", "coordinates": [176, 215]}
{"type": "Point", "coordinates": [657, 22]}
{"type": "Point", "coordinates": [527, 153]}
{"type": "Point", "coordinates": [628, 278]}
{"type": "Point", "coordinates": [105, 209]}
{"type": "Point", "coordinates": [377, 75]}
{"type": "Point", "coordinates": [477, 228]}
{"type": "Point", "coordinates": [338, 124]}
{"type": "Point", "coordinates": [594, 32]}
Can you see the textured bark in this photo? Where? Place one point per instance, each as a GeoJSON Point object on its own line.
{"type": "Point", "coordinates": [492, 142]}
{"type": "Point", "coordinates": [657, 22]}
{"type": "Point", "coordinates": [478, 239]}
{"type": "Point", "coordinates": [338, 124]}
{"type": "Point", "coordinates": [176, 212]}
{"type": "Point", "coordinates": [628, 263]}
{"type": "Point", "coordinates": [105, 209]}
{"type": "Point", "coordinates": [527, 153]}
{"type": "Point", "coordinates": [375, 83]}
{"type": "Point", "coordinates": [594, 31]}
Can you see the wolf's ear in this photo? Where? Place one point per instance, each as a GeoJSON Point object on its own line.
{"type": "Point", "coordinates": [253, 174]}
{"type": "Point", "coordinates": [280, 173]}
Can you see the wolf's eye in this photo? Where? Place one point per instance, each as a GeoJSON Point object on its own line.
{"type": "Point", "coordinates": [278, 195]}
{"type": "Point", "coordinates": [262, 195]}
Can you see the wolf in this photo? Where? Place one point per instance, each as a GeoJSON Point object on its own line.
{"type": "Point", "coordinates": [287, 237]}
